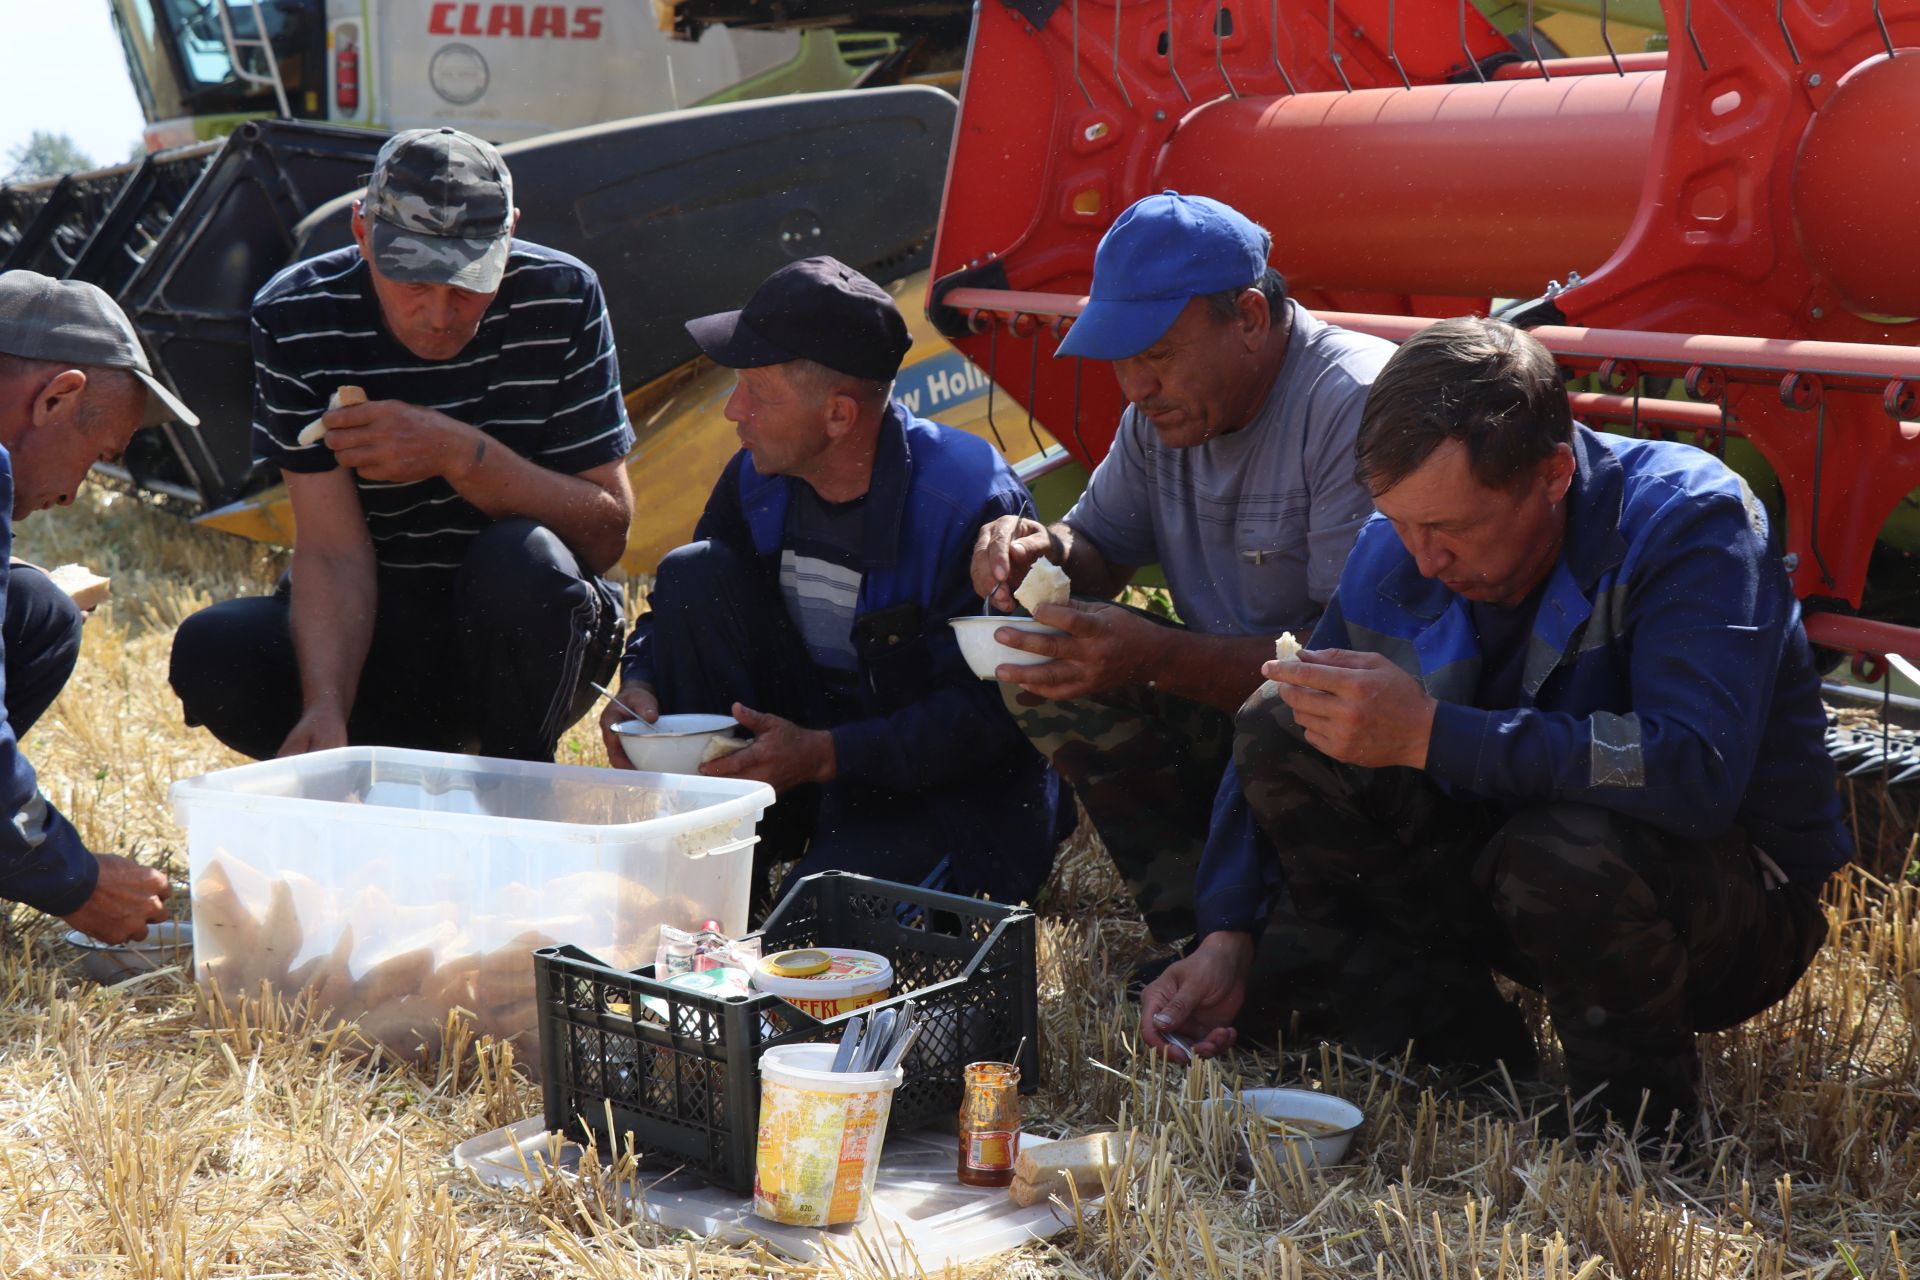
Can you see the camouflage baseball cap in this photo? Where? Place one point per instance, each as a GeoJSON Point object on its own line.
{"type": "Point", "coordinates": [440, 210]}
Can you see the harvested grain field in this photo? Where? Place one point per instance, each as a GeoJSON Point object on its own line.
{"type": "Point", "coordinates": [142, 1134]}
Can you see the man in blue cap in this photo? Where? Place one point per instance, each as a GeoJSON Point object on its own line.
{"type": "Point", "coordinates": [813, 606]}
{"type": "Point", "coordinates": [1232, 470]}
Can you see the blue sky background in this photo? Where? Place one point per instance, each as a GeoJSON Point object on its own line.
{"type": "Point", "coordinates": [61, 70]}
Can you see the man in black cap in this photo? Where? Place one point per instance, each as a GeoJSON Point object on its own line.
{"type": "Point", "coordinates": [450, 531]}
{"type": "Point", "coordinates": [74, 387]}
{"type": "Point", "coordinates": [813, 606]}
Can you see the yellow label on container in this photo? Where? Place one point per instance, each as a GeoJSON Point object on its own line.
{"type": "Point", "coordinates": [991, 1150]}
{"type": "Point", "coordinates": [818, 1153]}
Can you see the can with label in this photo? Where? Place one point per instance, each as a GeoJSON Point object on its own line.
{"type": "Point", "coordinates": [989, 1124]}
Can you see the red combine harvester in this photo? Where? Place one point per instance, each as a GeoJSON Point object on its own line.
{"type": "Point", "coordinates": [1735, 215]}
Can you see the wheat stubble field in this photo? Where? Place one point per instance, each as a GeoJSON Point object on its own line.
{"type": "Point", "coordinates": [144, 1134]}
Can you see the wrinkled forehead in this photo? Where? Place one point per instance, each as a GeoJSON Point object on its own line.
{"type": "Point", "coordinates": [1441, 490]}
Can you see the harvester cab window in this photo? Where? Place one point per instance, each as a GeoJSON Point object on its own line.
{"type": "Point", "coordinates": [201, 54]}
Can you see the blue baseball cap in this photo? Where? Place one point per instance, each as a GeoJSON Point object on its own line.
{"type": "Point", "coordinates": [1164, 251]}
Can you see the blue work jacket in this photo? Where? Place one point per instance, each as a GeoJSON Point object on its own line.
{"type": "Point", "coordinates": [1668, 677]}
{"type": "Point", "coordinates": [925, 724]}
{"type": "Point", "coordinates": [42, 861]}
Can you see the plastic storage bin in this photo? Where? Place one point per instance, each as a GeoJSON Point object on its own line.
{"type": "Point", "coordinates": [683, 1078]}
{"type": "Point", "coordinates": [400, 885]}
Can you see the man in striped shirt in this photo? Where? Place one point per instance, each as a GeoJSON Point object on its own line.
{"type": "Point", "coordinates": [451, 530]}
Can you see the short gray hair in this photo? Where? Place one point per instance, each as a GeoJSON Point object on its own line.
{"type": "Point", "coordinates": [104, 384]}
{"type": "Point", "coordinates": [1225, 305]}
{"type": "Point", "coordinates": [822, 381]}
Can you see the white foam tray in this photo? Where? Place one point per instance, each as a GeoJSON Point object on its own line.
{"type": "Point", "coordinates": [920, 1214]}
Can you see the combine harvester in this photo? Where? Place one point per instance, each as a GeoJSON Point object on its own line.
{"type": "Point", "coordinates": [1731, 216]}
{"type": "Point", "coordinates": [186, 236]}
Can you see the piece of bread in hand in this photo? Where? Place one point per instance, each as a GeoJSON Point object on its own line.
{"type": "Point", "coordinates": [86, 587]}
{"type": "Point", "coordinates": [1039, 1172]}
{"type": "Point", "coordinates": [1045, 583]}
{"type": "Point", "coordinates": [723, 746]}
{"type": "Point", "coordinates": [1286, 648]}
{"type": "Point", "coordinates": [316, 431]}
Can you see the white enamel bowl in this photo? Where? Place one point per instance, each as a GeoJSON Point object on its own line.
{"type": "Point", "coordinates": [672, 744]}
{"type": "Point", "coordinates": [985, 654]}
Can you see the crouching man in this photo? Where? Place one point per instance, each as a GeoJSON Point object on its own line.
{"type": "Point", "coordinates": [74, 387]}
{"type": "Point", "coordinates": [1560, 722]}
{"type": "Point", "coordinates": [451, 529]}
{"type": "Point", "coordinates": [813, 606]}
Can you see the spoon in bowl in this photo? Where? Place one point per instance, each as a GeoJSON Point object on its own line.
{"type": "Point", "coordinates": [644, 726]}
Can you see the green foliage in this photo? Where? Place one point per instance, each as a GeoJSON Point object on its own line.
{"type": "Point", "coordinates": [46, 155]}
{"type": "Point", "coordinates": [1155, 600]}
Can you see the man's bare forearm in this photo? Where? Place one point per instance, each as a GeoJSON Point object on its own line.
{"type": "Point", "coordinates": [332, 618]}
{"type": "Point", "coordinates": [1221, 671]}
{"type": "Point", "coordinates": [1090, 572]}
{"type": "Point", "coordinates": [585, 515]}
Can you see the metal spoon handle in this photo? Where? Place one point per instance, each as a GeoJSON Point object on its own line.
{"type": "Point", "coordinates": [616, 702]}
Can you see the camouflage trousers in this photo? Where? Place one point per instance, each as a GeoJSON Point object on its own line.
{"type": "Point", "coordinates": [1404, 900]}
{"type": "Point", "coordinates": [1146, 765]}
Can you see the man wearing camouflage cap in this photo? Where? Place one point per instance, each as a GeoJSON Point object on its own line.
{"type": "Point", "coordinates": [451, 531]}
{"type": "Point", "coordinates": [74, 387]}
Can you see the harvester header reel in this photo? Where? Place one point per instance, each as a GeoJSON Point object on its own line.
{"type": "Point", "coordinates": [1732, 215]}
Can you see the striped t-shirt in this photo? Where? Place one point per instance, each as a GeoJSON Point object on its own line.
{"type": "Point", "coordinates": [820, 575]}
{"type": "Point", "coordinates": [540, 376]}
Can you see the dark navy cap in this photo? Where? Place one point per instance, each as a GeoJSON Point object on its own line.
{"type": "Point", "coordinates": [817, 309]}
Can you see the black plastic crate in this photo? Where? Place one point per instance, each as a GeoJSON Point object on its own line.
{"type": "Point", "coordinates": [686, 1086]}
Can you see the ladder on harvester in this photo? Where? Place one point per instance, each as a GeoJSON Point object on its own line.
{"type": "Point", "coordinates": [262, 41]}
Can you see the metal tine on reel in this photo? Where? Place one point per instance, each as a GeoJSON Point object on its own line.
{"type": "Point", "coordinates": [1220, 18]}
{"type": "Point", "coordinates": [1033, 383]}
{"type": "Point", "coordinates": [993, 378]}
{"type": "Point", "coordinates": [1606, 38]}
{"type": "Point", "coordinates": [1533, 44]}
{"type": "Point", "coordinates": [1393, 55]}
{"type": "Point", "coordinates": [1077, 437]}
{"type": "Point", "coordinates": [1466, 54]}
{"type": "Point", "coordinates": [1333, 53]}
{"type": "Point", "coordinates": [1686, 20]}
{"type": "Point", "coordinates": [1076, 54]}
{"type": "Point", "coordinates": [1273, 41]}
{"type": "Point", "coordinates": [1780, 18]}
{"type": "Point", "coordinates": [1118, 83]}
{"type": "Point", "coordinates": [1172, 69]}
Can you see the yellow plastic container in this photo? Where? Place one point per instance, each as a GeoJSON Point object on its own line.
{"type": "Point", "coordinates": [849, 980]}
{"type": "Point", "coordinates": [820, 1136]}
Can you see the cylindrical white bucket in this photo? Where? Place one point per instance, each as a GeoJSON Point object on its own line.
{"type": "Point", "coordinates": [820, 1136]}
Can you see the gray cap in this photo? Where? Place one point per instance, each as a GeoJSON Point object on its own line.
{"type": "Point", "coordinates": [440, 210]}
{"type": "Point", "coordinates": [72, 322]}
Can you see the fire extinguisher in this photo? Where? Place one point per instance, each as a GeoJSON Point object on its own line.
{"type": "Point", "coordinates": [346, 79]}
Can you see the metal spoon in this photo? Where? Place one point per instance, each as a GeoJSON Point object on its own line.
{"type": "Point", "coordinates": [644, 726]}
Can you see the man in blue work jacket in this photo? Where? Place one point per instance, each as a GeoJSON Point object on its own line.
{"type": "Point", "coordinates": [813, 606]}
{"type": "Point", "coordinates": [74, 387]}
{"type": "Point", "coordinates": [1561, 721]}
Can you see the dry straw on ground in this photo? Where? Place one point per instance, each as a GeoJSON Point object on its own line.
{"type": "Point", "coordinates": [144, 1135]}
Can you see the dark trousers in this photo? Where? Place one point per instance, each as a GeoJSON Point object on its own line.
{"type": "Point", "coordinates": [722, 634]}
{"type": "Point", "coordinates": [1146, 765]}
{"type": "Point", "coordinates": [42, 636]}
{"type": "Point", "coordinates": [495, 661]}
{"type": "Point", "coordinates": [1407, 899]}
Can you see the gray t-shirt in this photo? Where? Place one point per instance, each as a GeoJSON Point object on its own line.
{"type": "Point", "coordinates": [1252, 527]}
